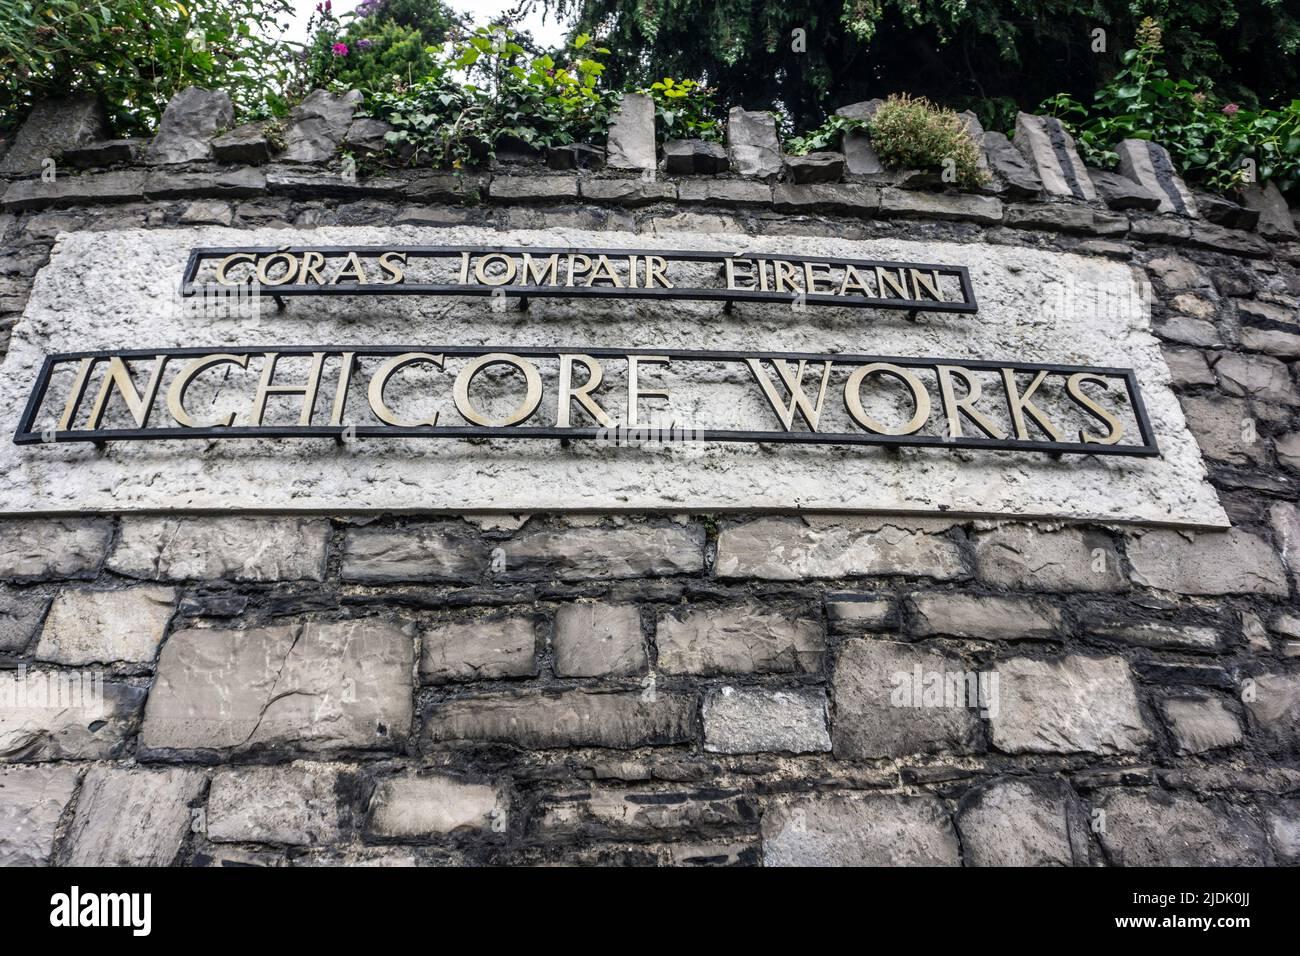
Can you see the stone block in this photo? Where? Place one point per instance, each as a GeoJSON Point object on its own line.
{"type": "Point", "coordinates": [631, 143]}
{"type": "Point", "coordinates": [1046, 144]}
{"type": "Point", "coordinates": [233, 548]}
{"type": "Point", "coordinates": [99, 627]}
{"type": "Point", "coordinates": [997, 618]}
{"type": "Point", "coordinates": [848, 829]}
{"type": "Point", "coordinates": [65, 715]}
{"type": "Point", "coordinates": [1156, 828]}
{"type": "Point", "coordinates": [296, 805]}
{"type": "Point", "coordinates": [744, 720]}
{"type": "Point", "coordinates": [414, 552]}
{"type": "Point", "coordinates": [51, 128]}
{"type": "Point", "coordinates": [603, 553]}
{"type": "Point", "coordinates": [1070, 559]}
{"type": "Point", "coordinates": [421, 806]}
{"type": "Point", "coordinates": [130, 817]}
{"type": "Point", "coordinates": [192, 119]}
{"type": "Point", "coordinates": [1150, 165]}
{"type": "Point", "coordinates": [1013, 822]}
{"type": "Point", "coordinates": [1226, 562]}
{"type": "Point", "coordinates": [743, 639]}
{"type": "Point", "coordinates": [485, 648]}
{"type": "Point", "coordinates": [36, 548]}
{"type": "Point", "coordinates": [598, 640]}
{"type": "Point", "coordinates": [753, 144]}
{"type": "Point", "coordinates": [32, 800]}
{"type": "Point", "coordinates": [318, 125]}
{"type": "Point", "coordinates": [1201, 725]}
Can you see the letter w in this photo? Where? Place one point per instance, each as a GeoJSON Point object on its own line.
{"type": "Point", "coordinates": [794, 384]}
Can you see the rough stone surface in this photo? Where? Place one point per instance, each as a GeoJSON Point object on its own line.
{"type": "Point", "coordinates": [65, 715]}
{"type": "Point", "coordinates": [58, 548]}
{"type": "Point", "coordinates": [1150, 165]}
{"type": "Point", "coordinates": [739, 720]}
{"type": "Point", "coordinates": [689, 157]}
{"type": "Point", "coordinates": [737, 640]}
{"type": "Point", "coordinates": [104, 152]}
{"type": "Point", "coordinates": [1221, 428]}
{"type": "Point", "coordinates": [1224, 212]}
{"type": "Point", "coordinates": [32, 800]}
{"type": "Point", "coordinates": [1161, 635]}
{"type": "Point", "coordinates": [1275, 219]}
{"type": "Point", "coordinates": [752, 143]}
{"type": "Point", "coordinates": [414, 807]}
{"type": "Point", "coordinates": [1014, 822]}
{"type": "Point", "coordinates": [961, 615]}
{"type": "Point", "coordinates": [603, 553]}
{"type": "Point", "coordinates": [860, 158]}
{"type": "Point", "coordinates": [880, 712]}
{"type": "Point", "coordinates": [246, 144]}
{"type": "Point", "coordinates": [191, 120]}
{"type": "Point", "coordinates": [1069, 559]}
{"type": "Point", "coordinates": [1066, 217]}
{"type": "Point", "coordinates": [21, 612]}
{"type": "Point", "coordinates": [481, 649]}
{"type": "Point", "coordinates": [415, 553]}
{"type": "Point", "coordinates": [316, 686]}
{"type": "Point", "coordinates": [631, 143]}
{"type": "Point", "coordinates": [1188, 367]}
{"type": "Point", "coordinates": [1285, 519]}
{"type": "Point", "coordinates": [1284, 826]}
{"type": "Point", "coordinates": [574, 718]}
{"type": "Point", "coordinates": [848, 612]}
{"type": "Point", "coordinates": [1073, 705]}
{"type": "Point", "coordinates": [926, 205]}
{"type": "Point", "coordinates": [318, 125]}
{"type": "Point", "coordinates": [851, 198]}
{"type": "Point", "coordinates": [1044, 142]}
{"type": "Point", "coordinates": [594, 640]}
{"type": "Point", "coordinates": [641, 812]}
{"type": "Point", "coordinates": [1256, 376]}
{"type": "Point", "coordinates": [815, 167]}
{"type": "Point", "coordinates": [89, 627]}
{"type": "Point", "coordinates": [1229, 562]}
{"type": "Point", "coordinates": [224, 548]}
{"type": "Point", "coordinates": [52, 127]}
{"type": "Point", "coordinates": [297, 805]}
{"type": "Point", "coordinates": [1201, 725]}
{"type": "Point", "coordinates": [1274, 706]}
{"type": "Point", "coordinates": [858, 830]}
{"type": "Point", "coordinates": [1013, 172]}
{"type": "Point", "coordinates": [1121, 192]}
{"type": "Point", "coordinates": [788, 549]}
{"type": "Point", "coordinates": [129, 817]}
{"type": "Point", "coordinates": [1155, 828]}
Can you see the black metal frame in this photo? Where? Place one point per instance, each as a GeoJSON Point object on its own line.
{"type": "Point", "coordinates": [25, 434]}
{"type": "Point", "coordinates": [968, 305]}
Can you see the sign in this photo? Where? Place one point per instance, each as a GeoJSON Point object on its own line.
{"type": "Point", "coordinates": [517, 272]}
{"type": "Point", "coordinates": [571, 393]}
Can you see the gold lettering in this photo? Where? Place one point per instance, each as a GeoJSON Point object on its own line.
{"type": "Point", "coordinates": [854, 279]}
{"type": "Point", "coordinates": [920, 399]}
{"type": "Point", "coordinates": [311, 266]}
{"type": "Point", "coordinates": [341, 389]}
{"type": "Point", "coordinates": [1019, 404]}
{"type": "Point", "coordinates": [583, 394]}
{"type": "Point", "coordinates": [786, 274]}
{"type": "Point", "coordinates": [223, 267]}
{"type": "Point", "coordinates": [885, 283]}
{"type": "Point", "coordinates": [380, 379]}
{"type": "Point", "coordinates": [481, 273]}
{"type": "Point", "coordinates": [534, 276]}
{"type": "Point", "coordinates": [265, 389]}
{"type": "Point", "coordinates": [925, 283]}
{"type": "Point", "coordinates": [392, 263]}
{"type": "Point", "coordinates": [604, 271]}
{"type": "Point", "coordinates": [76, 393]}
{"type": "Point", "coordinates": [525, 409]}
{"type": "Point", "coordinates": [794, 384]}
{"type": "Point", "coordinates": [655, 269]}
{"type": "Point", "coordinates": [574, 267]}
{"type": "Point", "coordinates": [352, 269]}
{"type": "Point", "coordinates": [1074, 386]}
{"type": "Point", "coordinates": [176, 393]}
{"type": "Point", "coordinates": [811, 277]}
{"type": "Point", "coordinates": [730, 266]}
{"type": "Point", "coordinates": [953, 408]}
{"type": "Point", "coordinates": [634, 390]}
{"type": "Point", "coordinates": [290, 268]}
{"type": "Point", "coordinates": [138, 404]}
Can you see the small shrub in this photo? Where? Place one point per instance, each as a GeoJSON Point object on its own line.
{"type": "Point", "coordinates": [684, 109]}
{"type": "Point", "coordinates": [827, 136]}
{"type": "Point", "coordinates": [909, 133]}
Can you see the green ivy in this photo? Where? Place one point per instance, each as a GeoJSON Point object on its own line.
{"type": "Point", "coordinates": [829, 135]}
{"type": "Point", "coordinates": [685, 109]}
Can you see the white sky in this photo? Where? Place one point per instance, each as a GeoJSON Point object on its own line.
{"type": "Point", "coordinates": [546, 30]}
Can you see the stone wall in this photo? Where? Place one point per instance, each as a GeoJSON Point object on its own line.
{"type": "Point", "coordinates": [688, 689]}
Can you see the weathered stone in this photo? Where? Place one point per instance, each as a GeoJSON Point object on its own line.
{"type": "Point", "coordinates": [1224, 428]}
{"type": "Point", "coordinates": [1225, 212]}
{"type": "Point", "coordinates": [1012, 171]}
{"type": "Point", "coordinates": [694, 157]}
{"type": "Point", "coordinates": [1274, 705]}
{"type": "Point", "coordinates": [292, 181]}
{"type": "Point", "coordinates": [58, 715]}
{"type": "Point", "coordinates": [1252, 309]}
{"type": "Point", "coordinates": [1161, 635]}
{"type": "Point", "coordinates": [596, 640]}
{"type": "Point", "coordinates": [318, 126]}
{"type": "Point", "coordinates": [1227, 562]}
{"type": "Point", "coordinates": [415, 807]}
{"type": "Point", "coordinates": [247, 145]}
{"type": "Point", "coordinates": [628, 192]}
{"type": "Point", "coordinates": [1188, 331]}
{"type": "Point", "coordinates": [1275, 220]}
{"type": "Point", "coordinates": [1045, 143]}
{"type": "Point", "coordinates": [420, 552]}
{"type": "Point", "coordinates": [1209, 236]}
{"type": "Point", "coordinates": [631, 143]}
{"type": "Point", "coordinates": [1285, 518]}
{"type": "Point", "coordinates": [315, 686]}
{"type": "Point", "coordinates": [128, 817]}
{"type": "Point", "coordinates": [192, 118]}
{"type": "Point", "coordinates": [1075, 704]}
{"type": "Point", "coordinates": [1150, 165]}
{"type": "Point", "coordinates": [1194, 305]}
{"type": "Point", "coordinates": [237, 548]}
{"type": "Point", "coordinates": [52, 127]}
{"type": "Point", "coordinates": [21, 611]}
{"type": "Point", "coordinates": [1288, 450]}
{"type": "Point", "coordinates": [1156, 828]}
{"type": "Point", "coordinates": [858, 830]}
{"type": "Point", "coordinates": [737, 640]}
{"type": "Point", "coordinates": [851, 612]}
{"type": "Point", "coordinates": [964, 615]}
{"type": "Point", "coordinates": [1069, 559]}
{"type": "Point", "coordinates": [104, 152]}
{"type": "Point", "coordinates": [573, 718]}
{"type": "Point", "coordinates": [848, 197]}
{"type": "Point", "coordinates": [725, 192]}
{"type": "Point", "coordinates": [528, 188]}
{"type": "Point", "coordinates": [598, 812]}
{"type": "Point", "coordinates": [792, 549]}
{"type": "Point", "coordinates": [1176, 274]}
{"type": "Point", "coordinates": [297, 805]}
{"type": "Point", "coordinates": [481, 649]}
{"type": "Point", "coordinates": [85, 190]}
{"type": "Point", "coordinates": [233, 184]}
{"type": "Point", "coordinates": [1283, 344]}
{"type": "Point", "coordinates": [367, 136]}
{"type": "Point", "coordinates": [573, 156]}
{"type": "Point", "coordinates": [912, 204]}
{"type": "Point", "coordinates": [744, 720]}
{"type": "Point", "coordinates": [752, 143]}
{"type": "Point", "coordinates": [1066, 217]}
{"type": "Point", "coordinates": [1256, 376]}
{"type": "Point", "coordinates": [641, 550]}
{"type": "Point", "coordinates": [35, 548]}
{"type": "Point", "coordinates": [825, 167]}
{"type": "Point", "coordinates": [1013, 822]}
{"type": "Point", "coordinates": [880, 707]}
{"type": "Point", "coordinates": [208, 212]}
{"type": "Point", "coordinates": [1121, 192]}
{"type": "Point", "coordinates": [96, 627]}
{"type": "Point", "coordinates": [1187, 367]}
{"type": "Point", "coordinates": [32, 800]}
{"type": "Point", "coordinates": [1159, 228]}
{"type": "Point", "coordinates": [1201, 725]}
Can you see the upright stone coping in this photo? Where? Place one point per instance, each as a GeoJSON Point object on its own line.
{"type": "Point", "coordinates": [1150, 165]}
{"type": "Point", "coordinates": [318, 125]}
{"type": "Point", "coordinates": [1050, 148]}
{"type": "Point", "coordinates": [192, 118]}
{"type": "Point", "coordinates": [753, 144]}
{"type": "Point", "coordinates": [631, 143]}
{"type": "Point", "coordinates": [53, 128]}
{"type": "Point", "coordinates": [859, 156]}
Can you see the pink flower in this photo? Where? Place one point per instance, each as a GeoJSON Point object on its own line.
{"type": "Point", "coordinates": [340, 49]}
{"type": "Point", "coordinates": [327, 6]}
{"type": "Point", "coordinates": [1231, 109]}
